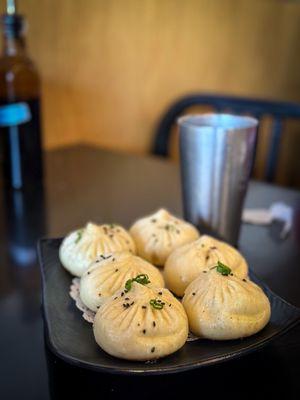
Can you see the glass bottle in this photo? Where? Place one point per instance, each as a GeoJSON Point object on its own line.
{"type": "Point", "coordinates": [20, 127]}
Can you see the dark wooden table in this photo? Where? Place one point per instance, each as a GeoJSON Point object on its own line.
{"type": "Point", "coordinates": [88, 184]}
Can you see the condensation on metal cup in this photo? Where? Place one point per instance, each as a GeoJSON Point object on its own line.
{"type": "Point", "coordinates": [216, 157]}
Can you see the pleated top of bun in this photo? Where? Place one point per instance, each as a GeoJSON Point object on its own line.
{"type": "Point", "coordinates": [185, 263]}
{"type": "Point", "coordinates": [141, 323]}
{"type": "Point", "coordinates": [83, 246]}
{"type": "Point", "coordinates": [222, 306]}
{"type": "Point", "coordinates": [110, 273]}
{"type": "Point", "coordinates": [157, 235]}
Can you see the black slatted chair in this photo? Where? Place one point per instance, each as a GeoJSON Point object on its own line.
{"type": "Point", "coordinates": [277, 111]}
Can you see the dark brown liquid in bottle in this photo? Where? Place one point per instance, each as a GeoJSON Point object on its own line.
{"type": "Point", "coordinates": [20, 144]}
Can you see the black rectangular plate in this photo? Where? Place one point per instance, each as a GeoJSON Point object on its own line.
{"type": "Point", "coordinates": [70, 337]}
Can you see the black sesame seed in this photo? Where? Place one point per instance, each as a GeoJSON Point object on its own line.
{"type": "Point", "coordinates": [144, 307]}
{"type": "Point", "coordinates": [122, 294]}
{"type": "Point", "coordinates": [153, 350]}
{"type": "Point", "coordinates": [115, 298]}
{"type": "Point", "coordinates": [207, 258]}
{"type": "Point", "coordinates": [98, 306]}
{"type": "Point", "coordinates": [213, 248]}
{"type": "Point", "coordinates": [113, 259]}
{"type": "Point", "coordinates": [193, 293]}
{"type": "Point", "coordinates": [139, 324]}
{"type": "Point", "coordinates": [99, 294]}
{"type": "Point", "coordinates": [154, 324]}
{"type": "Point", "coordinates": [170, 305]}
{"type": "Point", "coordinates": [160, 293]}
{"type": "Point", "coordinates": [97, 261]}
{"type": "Point", "coordinates": [111, 235]}
{"type": "Point", "coordinates": [132, 303]}
{"type": "Point", "coordinates": [88, 273]}
{"type": "Point", "coordinates": [116, 270]}
{"type": "Point", "coordinates": [144, 331]}
{"type": "Point", "coordinates": [127, 298]}
{"type": "Point", "coordinates": [204, 272]}
{"type": "Point", "coordinates": [244, 280]}
{"type": "Point", "coordinates": [231, 274]}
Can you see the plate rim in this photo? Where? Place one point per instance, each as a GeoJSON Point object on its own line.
{"type": "Point", "coordinates": [159, 370]}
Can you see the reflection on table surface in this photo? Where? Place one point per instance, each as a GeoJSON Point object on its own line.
{"type": "Point", "coordinates": [88, 184]}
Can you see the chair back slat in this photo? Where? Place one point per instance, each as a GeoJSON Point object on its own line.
{"type": "Point", "coordinates": [274, 146]}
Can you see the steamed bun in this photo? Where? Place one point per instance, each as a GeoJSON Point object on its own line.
{"type": "Point", "coordinates": [83, 246]}
{"type": "Point", "coordinates": [222, 307]}
{"type": "Point", "coordinates": [142, 324]}
{"type": "Point", "coordinates": [157, 235]}
{"type": "Point", "coordinates": [109, 274]}
{"type": "Point", "coordinates": [185, 263]}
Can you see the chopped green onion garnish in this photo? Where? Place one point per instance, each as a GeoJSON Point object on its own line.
{"type": "Point", "coordinates": [79, 235]}
{"type": "Point", "coordinates": [223, 269]}
{"type": "Point", "coordinates": [142, 279]}
{"type": "Point", "coordinates": [157, 304]}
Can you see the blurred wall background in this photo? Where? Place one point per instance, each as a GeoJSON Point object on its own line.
{"type": "Point", "coordinates": [110, 68]}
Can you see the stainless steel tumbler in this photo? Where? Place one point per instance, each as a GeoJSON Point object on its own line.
{"type": "Point", "coordinates": [216, 152]}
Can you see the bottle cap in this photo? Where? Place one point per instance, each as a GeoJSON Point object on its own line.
{"type": "Point", "coordinates": [11, 7]}
{"type": "Point", "coordinates": [13, 24]}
